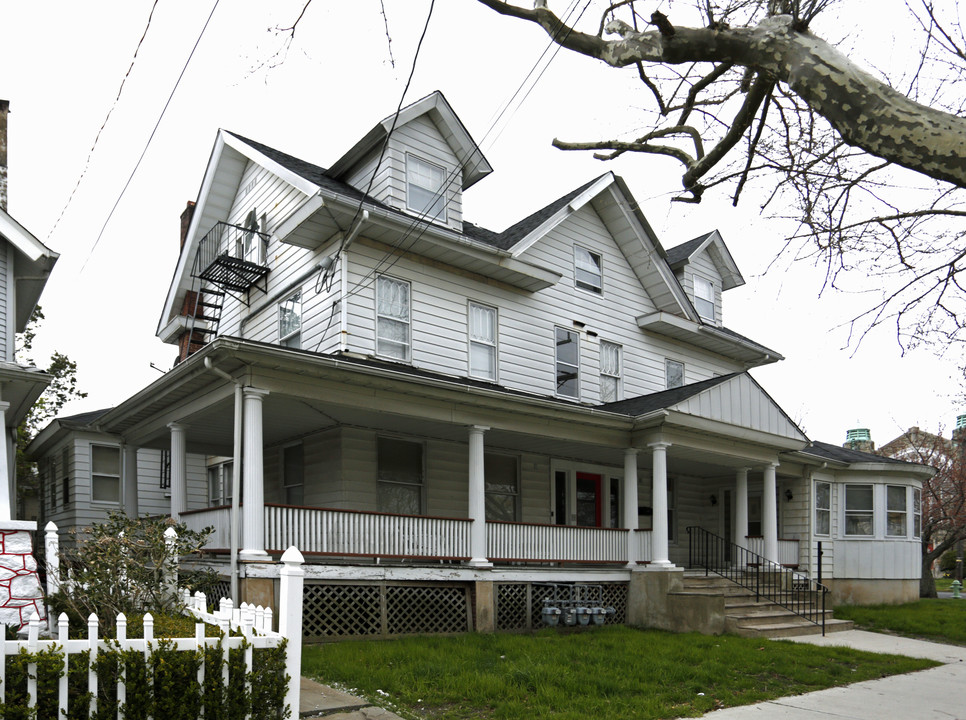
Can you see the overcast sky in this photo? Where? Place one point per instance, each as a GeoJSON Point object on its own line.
{"type": "Point", "coordinates": [62, 64]}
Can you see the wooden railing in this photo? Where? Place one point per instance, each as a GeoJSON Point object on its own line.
{"type": "Point", "coordinates": [787, 549]}
{"type": "Point", "coordinates": [350, 533]}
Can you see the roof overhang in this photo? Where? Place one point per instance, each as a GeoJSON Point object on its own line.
{"type": "Point", "coordinates": [21, 386]}
{"type": "Point", "coordinates": [31, 267]}
{"type": "Point", "coordinates": [725, 264]}
{"type": "Point", "coordinates": [708, 337]}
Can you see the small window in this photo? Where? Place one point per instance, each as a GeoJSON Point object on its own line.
{"type": "Point", "coordinates": [610, 372]}
{"type": "Point", "coordinates": [290, 321]}
{"type": "Point", "coordinates": [674, 373]}
{"type": "Point", "coordinates": [917, 512]}
{"type": "Point", "coordinates": [859, 513]}
{"type": "Point", "coordinates": [65, 477]}
{"type": "Point", "coordinates": [293, 471]}
{"type": "Point", "coordinates": [823, 508]}
{"type": "Point", "coordinates": [567, 360]}
{"type": "Point", "coordinates": [560, 497]}
{"type": "Point", "coordinates": [425, 193]}
{"type": "Point", "coordinates": [392, 318]}
{"type": "Point", "coordinates": [502, 487]}
{"type": "Point", "coordinates": [219, 483]}
{"type": "Point", "coordinates": [400, 476]}
{"type": "Point", "coordinates": [165, 474]}
{"type": "Point", "coordinates": [587, 270]}
{"type": "Point", "coordinates": [895, 511]}
{"type": "Point", "coordinates": [482, 331]}
{"type": "Point", "coordinates": [105, 474]}
{"type": "Point", "coordinates": [671, 511]}
{"type": "Point", "coordinates": [704, 298]}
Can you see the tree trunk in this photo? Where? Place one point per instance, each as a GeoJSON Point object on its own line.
{"type": "Point", "coordinates": [927, 583]}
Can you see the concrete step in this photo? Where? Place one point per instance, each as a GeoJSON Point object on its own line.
{"type": "Point", "coordinates": [788, 628]}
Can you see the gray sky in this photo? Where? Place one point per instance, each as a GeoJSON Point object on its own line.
{"type": "Point", "coordinates": [64, 61]}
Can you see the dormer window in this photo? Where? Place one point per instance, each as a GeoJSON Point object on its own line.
{"type": "Point", "coordinates": [587, 272]}
{"type": "Point", "coordinates": [425, 193]}
{"type": "Point", "coordinates": [704, 298]}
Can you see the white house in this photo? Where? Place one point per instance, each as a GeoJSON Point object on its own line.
{"type": "Point", "coordinates": [444, 419]}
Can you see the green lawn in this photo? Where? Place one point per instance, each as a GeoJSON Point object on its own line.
{"type": "Point", "coordinates": [617, 673]}
{"type": "Point", "coordinates": [943, 619]}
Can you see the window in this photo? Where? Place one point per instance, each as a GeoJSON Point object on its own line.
{"type": "Point", "coordinates": [568, 358]}
{"type": "Point", "coordinates": [754, 516]}
{"type": "Point", "coordinates": [671, 511]}
{"type": "Point", "coordinates": [482, 331]}
{"type": "Point", "coordinates": [105, 474]}
{"type": "Point", "coordinates": [392, 318]}
{"type": "Point", "coordinates": [704, 298]}
{"type": "Point", "coordinates": [219, 483]}
{"type": "Point", "coordinates": [823, 508]}
{"type": "Point", "coordinates": [165, 474]}
{"type": "Point", "coordinates": [858, 510]}
{"type": "Point", "coordinates": [895, 511]}
{"type": "Point", "coordinates": [673, 373]}
{"type": "Point", "coordinates": [425, 193]}
{"type": "Point", "coordinates": [502, 487]}
{"type": "Point", "coordinates": [400, 476]}
{"type": "Point", "coordinates": [293, 474]}
{"type": "Point", "coordinates": [917, 512]}
{"type": "Point", "coordinates": [587, 272]}
{"type": "Point", "coordinates": [290, 321]}
{"type": "Point", "coordinates": [64, 477]}
{"type": "Point", "coordinates": [560, 497]}
{"type": "Point", "coordinates": [248, 245]}
{"type": "Point", "coordinates": [610, 372]}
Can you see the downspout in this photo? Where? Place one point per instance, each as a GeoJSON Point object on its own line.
{"type": "Point", "coordinates": [235, 478]}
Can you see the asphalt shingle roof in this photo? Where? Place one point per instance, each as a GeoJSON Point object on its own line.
{"type": "Point", "coordinates": [841, 454]}
{"type": "Point", "coordinates": [666, 398]}
{"type": "Point", "coordinates": [683, 251]}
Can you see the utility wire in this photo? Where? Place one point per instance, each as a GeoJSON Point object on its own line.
{"type": "Point", "coordinates": [151, 136]}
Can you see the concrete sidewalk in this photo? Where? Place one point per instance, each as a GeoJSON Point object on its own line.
{"type": "Point", "coordinates": [927, 695]}
{"type": "Point", "coordinates": [319, 700]}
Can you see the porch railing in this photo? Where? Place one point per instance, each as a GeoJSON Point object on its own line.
{"type": "Point", "coordinates": [787, 549]}
{"type": "Point", "coordinates": [768, 580]}
{"type": "Point", "coordinates": [511, 542]}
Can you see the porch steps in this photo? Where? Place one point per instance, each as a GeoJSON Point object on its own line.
{"type": "Point", "coordinates": [747, 617]}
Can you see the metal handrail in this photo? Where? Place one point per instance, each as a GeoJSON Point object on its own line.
{"type": "Point", "coordinates": [775, 583]}
{"type": "Point", "coordinates": [226, 240]}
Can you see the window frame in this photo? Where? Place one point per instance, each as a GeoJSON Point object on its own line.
{"type": "Point", "coordinates": [827, 511]}
{"type": "Point", "coordinates": [858, 513]}
{"type": "Point", "coordinates": [514, 495]}
{"type": "Point", "coordinates": [583, 284]}
{"type": "Point", "coordinates": [668, 362]}
{"type": "Point", "coordinates": [493, 346]}
{"type": "Point", "coordinates": [558, 363]}
{"type": "Point", "coordinates": [223, 475]}
{"type": "Point", "coordinates": [105, 475]}
{"type": "Point", "coordinates": [408, 322]}
{"type": "Point", "coordinates": [292, 339]}
{"type": "Point", "coordinates": [891, 513]}
{"type": "Point", "coordinates": [917, 513]}
{"type": "Point", "coordinates": [704, 302]}
{"type": "Point", "coordinates": [382, 482]}
{"type": "Point", "coordinates": [289, 487]}
{"type": "Point", "coordinates": [64, 478]}
{"type": "Point", "coordinates": [439, 193]}
{"type": "Point", "coordinates": [617, 378]}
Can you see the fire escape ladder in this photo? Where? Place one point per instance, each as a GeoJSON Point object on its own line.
{"type": "Point", "coordinates": [202, 317]}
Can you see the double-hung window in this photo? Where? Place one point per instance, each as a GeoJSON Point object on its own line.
{"type": "Point", "coordinates": [896, 511]}
{"type": "Point", "coordinates": [673, 373]}
{"type": "Point", "coordinates": [916, 512]}
{"type": "Point", "coordinates": [290, 321]}
{"type": "Point", "coordinates": [823, 508]}
{"type": "Point", "coordinates": [105, 474]}
{"type": "Point", "coordinates": [859, 513]}
{"type": "Point", "coordinates": [587, 270]}
{"type": "Point", "coordinates": [502, 487]}
{"type": "Point", "coordinates": [610, 371]}
{"type": "Point", "coordinates": [219, 483]}
{"type": "Point", "coordinates": [293, 474]}
{"type": "Point", "coordinates": [400, 476]}
{"type": "Point", "coordinates": [704, 298]}
{"type": "Point", "coordinates": [567, 356]}
{"type": "Point", "coordinates": [392, 318]}
{"type": "Point", "coordinates": [482, 331]}
{"type": "Point", "coordinates": [425, 191]}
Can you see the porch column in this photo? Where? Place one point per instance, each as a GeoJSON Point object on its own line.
{"type": "Point", "coordinates": [741, 508]}
{"type": "Point", "coordinates": [659, 533]}
{"type": "Point", "coordinates": [477, 503]}
{"type": "Point", "coordinates": [253, 508]}
{"type": "Point", "coordinates": [769, 513]}
{"type": "Point", "coordinates": [630, 505]}
{"type": "Point", "coordinates": [179, 469]}
{"type": "Point", "coordinates": [130, 475]}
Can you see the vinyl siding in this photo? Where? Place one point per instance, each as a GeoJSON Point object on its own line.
{"type": "Point", "coordinates": [7, 332]}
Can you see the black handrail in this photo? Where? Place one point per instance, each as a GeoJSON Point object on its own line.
{"type": "Point", "coordinates": [769, 580]}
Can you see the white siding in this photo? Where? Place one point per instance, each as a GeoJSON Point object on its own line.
{"type": "Point", "coordinates": [702, 265]}
{"type": "Point", "coordinates": [7, 303]}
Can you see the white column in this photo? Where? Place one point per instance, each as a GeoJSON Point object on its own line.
{"type": "Point", "coordinates": [477, 499]}
{"type": "Point", "coordinates": [659, 542]}
{"type": "Point", "coordinates": [179, 469]}
{"type": "Point", "coordinates": [630, 505]}
{"type": "Point", "coordinates": [741, 508]}
{"type": "Point", "coordinates": [769, 513]}
{"type": "Point", "coordinates": [253, 509]}
{"type": "Point", "coordinates": [130, 474]}
{"type": "Point", "coordinates": [7, 488]}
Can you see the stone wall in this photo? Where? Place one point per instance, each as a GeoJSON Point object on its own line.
{"type": "Point", "coordinates": [20, 593]}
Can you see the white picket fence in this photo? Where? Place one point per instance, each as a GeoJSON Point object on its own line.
{"type": "Point", "coordinates": [254, 623]}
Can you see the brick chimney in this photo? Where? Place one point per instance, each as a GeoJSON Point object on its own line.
{"type": "Point", "coordinates": [4, 109]}
{"type": "Point", "coordinates": [859, 439]}
{"type": "Point", "coordinates": [186, 216]}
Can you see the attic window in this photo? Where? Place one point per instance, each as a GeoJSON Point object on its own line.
{"type": "Point", "coordinates": [587, 272]}
{"type": "Point", "coordinates": [704, 298]}
{"type": "Point", "coordinates": [425, 193]}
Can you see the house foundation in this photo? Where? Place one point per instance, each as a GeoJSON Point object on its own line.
{"type": "Point", "coordinates": [20, 592]}
{"type": "Point", "coordinates": [864, 591]}
{"type": "Point", "coordinates": [656, 599]}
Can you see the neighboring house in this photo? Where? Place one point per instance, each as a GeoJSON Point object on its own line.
{"type": "Point", "coordinates": [444, 419]}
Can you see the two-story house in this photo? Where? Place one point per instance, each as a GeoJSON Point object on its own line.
{"type": "Point", "coordinates": [446, 419]}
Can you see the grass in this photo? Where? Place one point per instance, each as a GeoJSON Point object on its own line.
{"type": "Point", "coordinates": [614, 672]}
{"type": "Point", "coordinates": [934, 619]}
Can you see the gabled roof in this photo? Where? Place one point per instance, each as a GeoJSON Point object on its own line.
{"type": "Point", "coordinates": [59, 427]}
{"type": "Point", "coordinates": [844, 456]}
{"type": "Point", "coordinates": [32, 268]}
{"type": "Point", "coordinates": [713, 243]}
{"type": "Point", "coordinates": [475, 166]}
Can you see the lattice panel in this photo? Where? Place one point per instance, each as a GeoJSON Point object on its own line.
{"type": "Point", "coordinates": [538, 592]}
{"type": "Point", "coordinates": [341, 611]}
{"type": "Point", "coordinates": [511, 606]}
{"type": "Point", "coordinates": [425, 609]}
{"type": "Point", "coordinates": [221, 589]}
{"type": "Point", "coordinates": [615, 596]}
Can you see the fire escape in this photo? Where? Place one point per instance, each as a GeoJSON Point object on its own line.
{"type": "Point", "coordinates": [230, 261]}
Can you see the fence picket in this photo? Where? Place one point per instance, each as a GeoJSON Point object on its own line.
{"type": "Point", "coordinates": [33, 634]}
{"type": "Point", "coordinates": [91, 675]}
{"type": "Point", "coordinates": [62, 686]}
{"type": "Point", "coordinates": [122, 679]}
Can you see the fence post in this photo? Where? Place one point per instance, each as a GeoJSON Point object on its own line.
{"type": "Point", "coordinates": [52, 555]}
{"type": "Point", "coordinates": [171, 565]}
{"type": "Point", "coordinates": [291, 580]}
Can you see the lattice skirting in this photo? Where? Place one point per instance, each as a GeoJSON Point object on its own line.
{"type": "Point", "coordinates": [333, 611]}
{"type": "Point", "coordinates": [519, 605]}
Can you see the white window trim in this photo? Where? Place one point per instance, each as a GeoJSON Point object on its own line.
{"type": "Point", "coordinates": [120, 485]}
{"type": "Point", "coordinates": [587, 287]}
{"type": "Point", "coordinates": [409, 320]}
{"type": "Point", "coordinates": [495, 345]}
{"type": "Point", "coordinates": [619, 377]}
{"type": "Point", "coordinates": [916, 514]}
{"type": "Point", "coordinates": [282, 338]}
{"type": "Point", "coordinates": [667, 362]}
{"type": "Point", "coordinates": [827, 510]}
{"type": "Point", "coordinates": [845, 512]}
{"type": "Point", "coordinates": [516, 494]}
{"type": "Point", "coordinates": [570, 470]}
{"type": "Point", "coordinates": [422, 479]}
{"type": "Point", "coordinates": [696, 279]}
{"type": "Point", "coordinates": [441, 192]}
{"type": "Point", "coordinates": [906, 511]}
{"type": "Point", "coordinates": [557, 362]}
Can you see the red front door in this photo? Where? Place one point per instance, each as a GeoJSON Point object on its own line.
{"type": "Point", "coordinates": [588, 503]}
